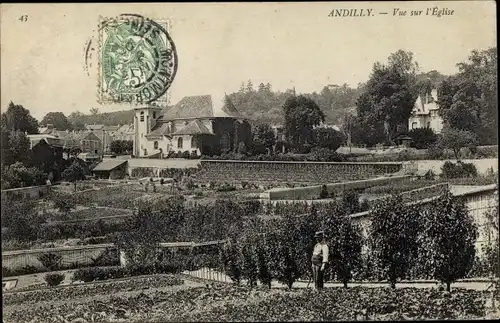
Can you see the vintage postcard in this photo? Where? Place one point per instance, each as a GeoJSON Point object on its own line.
{"type": "Point", "coordinates": [280, 161]}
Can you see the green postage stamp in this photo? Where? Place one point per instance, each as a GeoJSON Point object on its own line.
{"type": "Point", "coordinates": [137, 60]}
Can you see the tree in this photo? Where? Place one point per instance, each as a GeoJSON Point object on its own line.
{"type": "Point", "coordinates": [18, 118]}
{"type": "Point", "coordinates": [328, 138]}
{"type": "Point", "coordinates": [301, 115]}
{"type": "Point", "coordinates": [345, 243]}
{"type": "Point", "coordinates": [285, 263]}
{"type": "Point", "coordinates": [58, 120]}
{"type": "Point", "coordinates": [263, 138]}
{"type": "Point", "coordinates": [249, 86]}
{"type": "Point", "coordinates": [116, 146]}
{"type": "Point", "coordinates": [15, 147]}
{"type": "Point", "coordinates": [393, 238]}
{"type": "Point", "coordinates": [449, 239]}
{"type": "Point", "coordinates": [94, 111]}
{"type": "Point", "coordinates": [456, 139]}
{"type": "Point", "coordinates": [389, 95]}
{"type": "Point", "coordinates": [75, 172]}
{"type": "Point", "coordinates": [468, 100]}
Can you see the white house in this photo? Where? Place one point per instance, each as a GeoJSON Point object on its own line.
{"type": "Point", "coordinates": [425, 113]}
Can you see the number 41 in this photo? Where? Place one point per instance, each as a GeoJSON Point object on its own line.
{"type": "Point", "coordinates": [23, 18]}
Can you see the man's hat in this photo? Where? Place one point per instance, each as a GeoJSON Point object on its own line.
{"type": "Point", "coordinates": [319, 234]}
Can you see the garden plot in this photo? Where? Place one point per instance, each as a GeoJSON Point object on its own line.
{"type": "Point", "coordinates": [137, 300]}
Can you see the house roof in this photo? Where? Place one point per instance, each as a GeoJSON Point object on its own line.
{"type": "Point", "coordinates": [195, 127]}
{"type": "Point", "coordinates": [94, 127]}
{"type": "Point", "coordinates": [200, 106]}
{"type": "Point", "coordinates": [126, 128]}
{"type": "Point", "coordinates": [111, 128]}
{"type": "Point", "coordinates": [108, 164]}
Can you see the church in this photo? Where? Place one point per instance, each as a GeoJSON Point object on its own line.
{"type": "Point", "coordinates": [196, 125]}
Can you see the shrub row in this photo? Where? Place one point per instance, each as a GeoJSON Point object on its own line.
{"type": "Point", "coordinates": [403, 242]}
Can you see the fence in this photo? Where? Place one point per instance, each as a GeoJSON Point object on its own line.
{"type": "Point", "coordinates": [80, 256]}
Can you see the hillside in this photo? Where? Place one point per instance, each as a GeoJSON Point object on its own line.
{"type": "Point", "coordinates": [262, 104]}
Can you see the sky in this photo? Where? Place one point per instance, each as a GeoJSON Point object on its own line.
{"type": "Point", "coordinates": [219, 46]}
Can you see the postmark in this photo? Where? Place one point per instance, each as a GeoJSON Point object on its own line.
{"type": "Point", "coordinates": [137, 60]}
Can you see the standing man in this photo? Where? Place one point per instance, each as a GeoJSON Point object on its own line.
{"type": "Point", "coordinates": [319, 259]}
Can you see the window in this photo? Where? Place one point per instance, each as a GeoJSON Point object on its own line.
{"type": "Point", "coordinates": [179, 143]}
{"type": "Point", "coordinates": [193, 142]}
{"type": "Point", "coordinates": [414, 125]}
{"type": "Point", "coordinates": [154, 114]}
{"type": "Point", "coordinates": [142, 116]}
{"type": "Point", "coordinates": [156, 144]}
{"type": "Point", "coordinates": [428, 124]}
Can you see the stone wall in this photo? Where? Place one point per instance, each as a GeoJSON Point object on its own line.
{"type": "Point", "coordinates": [290, 172]}
{"type": "Point", "coordinates": [31, 192]}
{"type": "Point", "coordinates": [312, 192]}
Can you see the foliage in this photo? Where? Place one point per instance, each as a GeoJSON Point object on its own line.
{"type": "Point", "coordinates": [350, 202]}
{"type": "Point", "coordinates": [328, 138]}
{"type": "Point", "coordinates": [15, 147]}
{"type": "Point", "coordinates": [456, 139]}
{"type": "Point", "coordinates": [345, 241]}
{"type": "Point", "coordinates": [16, 117]}
{"type": "Point", "coordinates": [21, 218]}
{"type": "Point", "coordinates": [458, 170]}
{"type": "Point", "coordinates": [50, 261]}
{"type": "Point", "coordinates": [121, 146]}
{"type": "Point", "coordinates": [54, 279]}
{"type": "Point", "coordinates": [75, 172]}
{"type": "Point", "coordinates": [422, 138]}
{"type": "Point", "coordinates": [58, 120]}
{"type": "Point", "coordinates": [388, 98]}
{"type": "Point", "coordinates": [18, 175]}
{"type": "Point", "coordinates": [449, 236]}
{"type": "Point", "coordinates": [301, 115]}
{"type": "Point", "coordinates": [393, 238]}
{"type": "Point", "coordinates": [263, 138]}
{"type": "Point", "coordinates": [212, 303]}
{"type": "Point", "coordinates": [468, 100]}
{"type": "Point", "coordinates": [64, 202]}
{"type": "Point", "coordinates": [323, 194]}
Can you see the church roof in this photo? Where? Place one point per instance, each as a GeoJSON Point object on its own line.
{"type": "Point", "coordinates": [160, 129]}
{"type": "Point", "coordinates": [200, 106]}
{"type": "Point", "coordinates": [195, 127]}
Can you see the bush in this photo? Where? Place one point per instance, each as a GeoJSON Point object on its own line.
{"type": "Point", "coordinates": [226, 188]}
{"type": "Point", "coordinates": [350, 201]}
{"type": "Point", "coordinates": [50, 261]}
{"type": "Point", "coordinates": [63, 202]}
{"type": "Point", "coordinates": [110, 257]}
{"type": "Point", "coordinates": [54, 279]}
{"type": "Point", "coordinates": [324, 192]}
{"type": "Point", "coordinates": [422, 138]}
{"type": "Point", "coordinates": [458, 170]}
{"type": "Point", "coordinates": [185, 154]}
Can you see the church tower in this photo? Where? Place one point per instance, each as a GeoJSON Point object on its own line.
{"type": "Point", "coordinates": [144, 120]}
